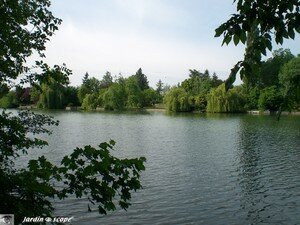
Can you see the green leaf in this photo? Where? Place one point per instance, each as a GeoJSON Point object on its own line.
{"type": "Point", "coordinates": [219, 31]}
{"type": "Point", "coordinates": [112, 142]}
{"type": "Point", "coordinates": [110, 206]}
{"type": "Point", "coordinates": [243, 37]}
{"type": "Point", "coordinates": [269, 45]}
{"type": "Point", "coordinates": [227, 39]}
{"type": "Point", "coordinates": [291, 33]}
{"type": "Point", "coordinates": [103, 145]}
{"type": "Point", "coordinates": [236, 39]}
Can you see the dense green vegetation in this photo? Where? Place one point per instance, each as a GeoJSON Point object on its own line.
{"type": "Point", "coordinates": [274, 86]}
{"type": "Point", "coordinates": [256, 24]}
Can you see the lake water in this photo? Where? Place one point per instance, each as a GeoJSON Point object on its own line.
{"type": "Point", "coordinates": [200, 169]}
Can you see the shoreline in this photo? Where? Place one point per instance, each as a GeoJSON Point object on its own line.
{"type": "Point", "coordinates": [78, 108]}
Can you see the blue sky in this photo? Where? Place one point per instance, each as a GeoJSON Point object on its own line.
{"type": "Point", "coordinates": [165, 38]}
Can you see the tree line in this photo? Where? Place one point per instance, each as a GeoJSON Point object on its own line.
{"type": "Point", "coordinates": [273, 86]}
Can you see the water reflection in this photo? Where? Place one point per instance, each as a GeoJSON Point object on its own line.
{"type": "Point", "coordinates": [263, 150]}
{"type": "Point", "coordinates": [201, 168]}
{"type": "Point", "coordinates": [250, 171]}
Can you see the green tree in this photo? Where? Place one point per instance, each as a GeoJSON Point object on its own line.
{"type": "Point", "coordinates": [9, 100]}
{"type": "Point", "coordinates": [177, 100]}
{"type": "Point", "coordinates": [107, 80]}
{"type": "Point", "coordinates": [90, 102]}
{"type": "Point", "coordinates": [71, 97]}
{"type": "Point", "coordinates": [159, 87]}
{"type": "Point", "coordinates": [270, 99]}
{"type": "Point", "coordinates": [221, 101]}
{"type": "Point", "coordinates": [142, 79]}
{"type": "Point", "coordinates": [92, 173]}
{"type": "Point", "coordinates": [25, 28]}
{"type": "Point", "coordinates": [134, 92]}
{"type": "Point", "coordinates": [115, 97]}
{"type": "Point", "coordinates": [160, 91]}
{"type": "Point", "coordinates": [197, 83]}
{"type": "Point", "coordinates": [290, 81]}
{"type": "Point", "coordinates": [216, 81]}
{"type": "Point", "coordinates": [252, 96]}
{"type": "Point", "coordinates": [276, 19]}
{"type": "Point", "coordinates": [198, 86]}
{"type": "Point", "coordinates": [269, 74]}
{"type": "Point", "coordinates": [53, 83]}
{"type": "Point", "coordinates": [88, 86]}
{"type": "Point", "coordinates": [151, 97]}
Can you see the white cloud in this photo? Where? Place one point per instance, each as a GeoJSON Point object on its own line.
{"type": "Point", "coordinates": [157, 11]}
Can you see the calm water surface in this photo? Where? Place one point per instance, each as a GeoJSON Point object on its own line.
{"type": "Point", "coordinates": [200, 169]}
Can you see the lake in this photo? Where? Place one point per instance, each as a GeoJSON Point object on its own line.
{"type": "Point", "coordinates": [200, 169]}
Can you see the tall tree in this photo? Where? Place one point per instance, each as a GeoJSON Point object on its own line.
{"type": "Point", "coordinates": [142, 80]}
{"type": "Point", "coordinates": [289, 78]}
{"type": "Point", "coordinates": [53, 83]}
{"type": "Point", "coordinates": [159, 87]}
{"type": "Point", "coordinates": [276, 19]}
{"type": "Point", "coordinates": [88, 86]}
{"type": "Point", "coordinates": [216, 81]}
{"type": "Point", "coordinates": [269, 72]}
{"type": "Point", "coordinates": [107, 80]}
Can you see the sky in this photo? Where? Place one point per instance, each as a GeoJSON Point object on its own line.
{"type": "Point", "coordinates": [165, 38]}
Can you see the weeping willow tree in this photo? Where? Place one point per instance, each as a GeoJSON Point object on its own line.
{"type": "Point", "coordinates": [52, 86]}
{"type": "Point", "coordinates": [52, 97]}
{"type": "Point", "coordinates": [221, 101]}
{"type": "Point", "coordinates": [177, 100]}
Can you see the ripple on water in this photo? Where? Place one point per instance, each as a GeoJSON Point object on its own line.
{"type": "Point", "coordinates": [199, 170]}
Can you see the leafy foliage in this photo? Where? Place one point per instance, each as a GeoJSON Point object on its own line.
{"type": "Point", "coordinates": [270, 99]}
{"type": "Point", "coordinates": [115, 97]}
{"type": "Point", "coordinates": [192, 93]}
{"type": "Point", "coordinates": [88, 172]}
{"type": "Point", "coordinates": [52, 85]}
{"type": "Point", "coordinates": [269, 71]}
{"type": "Point", "coordinates": [90, 102]}
{"type": "Point", "coordinates": [177, 100]}
{"type": "Point", "coordinates": [9, 100]}
{"type": "Point", "coordinates": [25, 27]}
{"type": "Point", "coordinates": [134, 92]}
{"type": "Point", "coordinates": [281, 18]}
{"type": "Point", "coordinates": [142, 80]}
{"type": "Point", "coordinates": [100, 176]}
{"type": "Point", "coordinates": [107, 80]}
{"type": "Point", "coordinates": [222, 101]}
{"type": "Point", "coordinates": [89, 86]}
{"type": "Point", "coordinates": [290, 81]}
